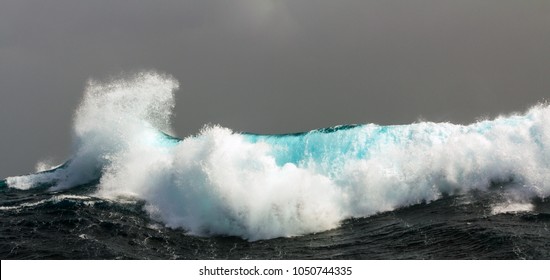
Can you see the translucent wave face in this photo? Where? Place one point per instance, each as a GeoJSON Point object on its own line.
{"type": "Point", "coordinates": [259, 186]}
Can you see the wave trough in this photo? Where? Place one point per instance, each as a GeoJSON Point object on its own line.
{"type": "Point", "coordinates": [220, 182]}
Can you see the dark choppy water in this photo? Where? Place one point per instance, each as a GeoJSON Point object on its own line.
{"type": "Point", "coordinates": [37, 224]}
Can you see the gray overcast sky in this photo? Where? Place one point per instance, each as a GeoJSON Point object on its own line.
{"type": "Point", "coordinates": [270, 66]}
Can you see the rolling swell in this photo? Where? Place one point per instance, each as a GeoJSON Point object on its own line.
{"type": "Point", "coordinates": [222, 183]}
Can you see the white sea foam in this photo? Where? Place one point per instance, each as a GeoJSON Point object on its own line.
{"type": "Point", "coordinates": [512, 207]}
{"type": "Point", "coordinates": [54, 199]}
{"type": "Point", "coordinates": [44, 166]}
{"type": "Point", "coordinates": [257, 187]}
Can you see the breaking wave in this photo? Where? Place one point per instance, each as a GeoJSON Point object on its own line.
{"type": "Point", "coordinates": [220, 182]}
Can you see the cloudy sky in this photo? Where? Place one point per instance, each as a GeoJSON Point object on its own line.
{"type": "Point", "coordinates": [270, 66]}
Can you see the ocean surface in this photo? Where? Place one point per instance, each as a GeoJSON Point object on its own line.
{"type": "Point", "coordinates": [425, 190]}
